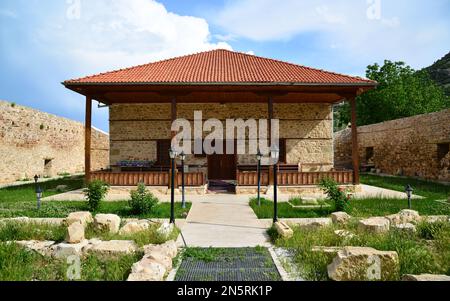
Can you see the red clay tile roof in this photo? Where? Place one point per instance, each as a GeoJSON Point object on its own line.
{"type": "Point", "coordinates": [221, 67]}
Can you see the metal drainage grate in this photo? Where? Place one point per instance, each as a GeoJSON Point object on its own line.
{"type": "Point", "coordinates": [245, 264]}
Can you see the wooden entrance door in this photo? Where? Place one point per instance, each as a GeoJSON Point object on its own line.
{"type": "Point", "coordinates": [222, 167]}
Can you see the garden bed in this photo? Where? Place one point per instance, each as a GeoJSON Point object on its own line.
{"type": "Point", "coordinates": [427, 251]}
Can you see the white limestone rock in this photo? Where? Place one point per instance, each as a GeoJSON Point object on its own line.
{"type": "Point", "coordinates": [75, 233]}
{"type": "Point", "coordinates": [374, 225]}
{"type": "Point", "coordinates": [134, 227]}
{"type": "Point", "coordinates": [114, 247]}
{"type": "Point", "coordinates": [84, 217]}
{"type": "Point", "coordinates": [426, 277]}
{"type": "Point", "coordinates": [107, 222]}
{"type": "Point", "coordinates": [364, 264]}
{"type": "Point", "coordinates": [340, 218]}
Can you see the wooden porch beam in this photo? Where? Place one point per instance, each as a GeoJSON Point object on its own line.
{"type": "Point", "coordinates": [270, 117]}
{"type": "Point", "coordinates": [174, 114]}
{"type": "Point", "coordinates": [355, 147]}
{"type": "Point", "coordinates": [87, 139]}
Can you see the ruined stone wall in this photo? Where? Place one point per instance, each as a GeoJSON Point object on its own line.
{"type": "Point", "coordinates": [406, 146]}
{"type": "Point", "coordinates": [30, 138]}
{"type": "Point", "coordinates": [307, 128]}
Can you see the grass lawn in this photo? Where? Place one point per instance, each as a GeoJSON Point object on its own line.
{"type": "Point", "coordinates": [286, 211]}
{"type": "Point", "coordinates": [21, 201]}
{"type": "Point", "coordinates": [19, 264]}
{"type": "Point", "coordinates": [427, 189]}
{"type": "Point", "coordinates": [427, 251]}
{"type": "Point", "coordinates": [26, 193]}
{"type": "Point", "coordinates": [372, 206]}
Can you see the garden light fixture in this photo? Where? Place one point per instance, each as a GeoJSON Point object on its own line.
{"type": "Point", "coordinates": [275, 154]}
{"type": "Point", "coordinates": [183, 200]}
{"type": "Point", "coordinates": [259, 157]}
{"type": "Point", "coordinates": [409, 190]}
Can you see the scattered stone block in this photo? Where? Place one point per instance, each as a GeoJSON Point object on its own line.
{"type": "Point", "coordinates": [169, 248]}
{"type": "Point", "coordinates": [283, 230]}
{"type": "Point", "coordinates": [62, 188]}
{"type": "Point", "coordinates": [327, 250]}
{"type": "Point", "coordinates": [404, 217]}
{"type": "Point", "coordinates": [344, 234]}
{"type": "Point", "coordinates": [107, 222]}
{"type": "Point", "coordinates": [64, 250]}
{"type": "Point", "coordinates": [436, 219]}
{"type": "Point", "coordinates": [311, 223]}
{"type": "Point", "coordinates": [426, 277]}
{"type": "Point", "coordinates": [407, 228]}
{"type": "Point", "coordinates": [134, 227]}
{"type": "Point", "coordinates": [161, 258]}
{"type": "Point", "coordinates": [340, 218]}
{"type": "Point", "coordinates": [75, 233]}
{"type": "Point", "coordinates": [83, 217]}
{"type": "Point", "coordinates": [114, 247]}
{"type": "Point", "coordinates": [41, 247]}
{"type": "Point", "coordinates": [374, 225]}
{"type": "Point", "coordinates": [165, 230]}
{"type": "Point", "coordinates": [146, 270]}
{"type": "Point", "coordinates": [364, 264]}
{"type": "Point", "coordinates": [309, 201]}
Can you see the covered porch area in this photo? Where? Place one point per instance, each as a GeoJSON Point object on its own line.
{"type": "Point", "coordinates": [144, 101]}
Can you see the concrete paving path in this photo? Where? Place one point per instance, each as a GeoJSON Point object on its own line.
{"type": "Point", "coordinates": [223, 220]}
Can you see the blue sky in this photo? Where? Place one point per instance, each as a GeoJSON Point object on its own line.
{"type": "Point", "coordinates": [43, 42]}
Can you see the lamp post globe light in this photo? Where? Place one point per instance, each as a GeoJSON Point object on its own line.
{"type": "Point", "coordinates": [275, 155]}
{"type": "Point", "coordinates": [172, 154]}
{"type": "Point", "coordinates": [183, 200]}
{"type": "Point", "coordinates": [259, 157]}
{"type": "Point", "coordinates": [409, 190]}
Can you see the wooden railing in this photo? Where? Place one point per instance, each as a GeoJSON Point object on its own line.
{"type": "Point", "coordinates": [192, 179]}
{"type": "Point", "coordinates": [148, 178]}
{"type": "Point", "coordinates": [295, 178]}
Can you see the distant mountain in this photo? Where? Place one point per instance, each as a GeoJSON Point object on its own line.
{"type": "Point", "coordinates": [440, 72]}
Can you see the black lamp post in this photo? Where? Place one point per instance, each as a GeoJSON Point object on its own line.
{"type": "Point", "coordinates": [409, 190]}
{"type": "Point", "coordinates": [173, 154]}
{"type": "Point", "coordinates": [259, 157]}
{"type": "Point", "coordinates": [183, 200]}
{"type": "Point", "coordinates": [275, 154]}
{"type": "Point", "coordinates": [38, 192]}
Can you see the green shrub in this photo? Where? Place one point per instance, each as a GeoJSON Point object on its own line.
{"type": "Point", "coordinates": [142, 201]}
{"type": "Point", "coordinates": [95, 193]}
{"type": "Point", "coordinates": [335, 194]}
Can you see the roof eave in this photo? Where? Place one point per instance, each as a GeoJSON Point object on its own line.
{"type": "Point", "coordinates": [361, 84]}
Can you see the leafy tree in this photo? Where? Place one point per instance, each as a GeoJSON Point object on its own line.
{"type": "Point", "coordinates": [402, 92]}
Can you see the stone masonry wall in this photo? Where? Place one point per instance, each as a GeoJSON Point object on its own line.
{"type": "Point", "coordinates": [30, 138]}
{"type": "Point", "coordinates": [307, 128]}
{"type": "Point", "coordinates": [406, 146]}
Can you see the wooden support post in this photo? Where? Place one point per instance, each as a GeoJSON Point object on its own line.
{"type": "Point", "coordinates": [87, 139]}
{"type": "Point", "coordinates": [172, 135]}
{"type": "Point", "coordinates": [355, 148]}
{"type": "Point", "coordinates": [270, 116]}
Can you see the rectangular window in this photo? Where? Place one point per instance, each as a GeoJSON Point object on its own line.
{"type": "Point", "coordinates": [163, 158]}
{"type": "Point", "coordinates": [443, 150]}
{"type": "Point", "coordinates": [369, 154]}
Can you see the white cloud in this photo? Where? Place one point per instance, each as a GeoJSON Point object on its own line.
{"type": "Point", "coordinates": [401, 30]}
{"type": "Point", "coordinates": [121, 33]}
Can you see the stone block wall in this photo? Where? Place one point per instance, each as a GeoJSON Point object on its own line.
{"type": "Point", "coordinates": [410, 146]}
{"type": "Point", "coordinates": [33, 142]}
{"type": "Point", "coordinates": [307, 128]}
